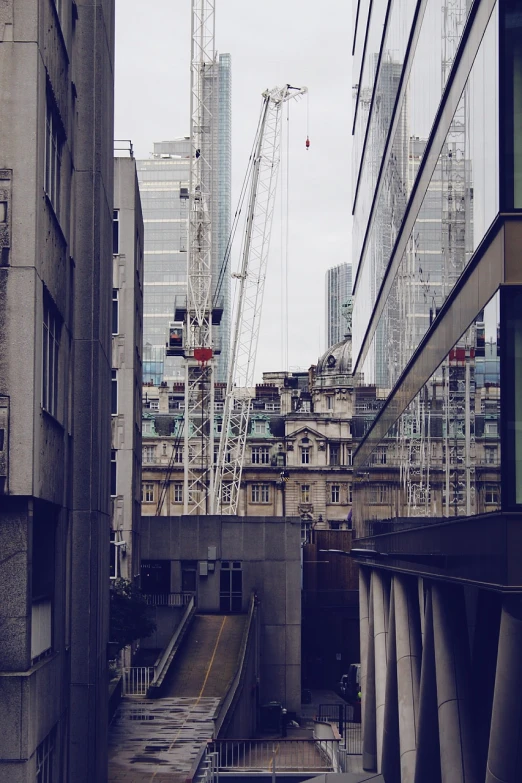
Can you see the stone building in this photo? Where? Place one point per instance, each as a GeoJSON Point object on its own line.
{"type": "Point", "coordinates": [127, 330]}
{"type": "Point", "coordinates": [56, 190]}
{"type": "Point", "coordinates": [299, 447]}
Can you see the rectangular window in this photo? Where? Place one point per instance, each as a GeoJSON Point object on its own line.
{"type": "Point", "coordinates": [349, 456]}
{"type": "Point", "coordinates": [491, 494]}
{"type": "Point", "coordinates": [335, 451]}
{"type": "Point", "coordinates": [491, 456]}
{"type": "Point", "coordinates": [149, 454]}
{"type": "Point", "coordinates": [260, 493]}
{"type": "Point", "coordinates": [53, 156]}
{"type": "Point", "coordinates": [50, 357]}
{"type": "Point", "coordinates": [114, 392]}
{"type": "Point", "coordinates": [115, 232]}
{"type": "Point", "coordinates": [305, 456]}
{"type": "Point", "coordinates": [113, 473]}
{"type": "Point", "coordinates": [147, 493]}
{"type": "Point", "coordinates": [305, 493]}
{"type": "Point", "coordinates": [154, 405]}
{"type": "Point", "coordinates": [329, 402]}
{"type": "Point", "coordinates": [178, 492]}
{"type": "Point", "coordinates": [260, 455]}
{"type": "Point", "coordinates": [115, 311]}
{"type": "Point", "coordinates": [350, 496]}
{"type": "Point", "coordinates": [259, 427]}
{"type": "Point", "coordinates": [335, 493]}
{"type": "Point", "coordinates": [146, 427]}
{"type": "Point", "coordinates": [45, 759]}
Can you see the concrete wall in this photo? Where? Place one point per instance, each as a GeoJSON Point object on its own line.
{"type": "Point", "coordinates": [55, 252]}
{"type": "Point", "coordinates": [269, 550]}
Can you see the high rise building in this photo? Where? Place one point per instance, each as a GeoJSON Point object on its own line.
{"type": "Point", "coordinates": [56, 192]}
{"type": "Point", "coordinates": [127, 329]}
{"type": "Point", "coordinates": [338, 294]}
{"type": "Point", "coordinates": [437, 495]}
{"type": "Point", "coordinates": [164, 189]}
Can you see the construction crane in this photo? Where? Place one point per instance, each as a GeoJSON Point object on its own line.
{"type": "Point", "coordinates": [190, 334]}
{"type": "Point", "coordinates": [251, 277]}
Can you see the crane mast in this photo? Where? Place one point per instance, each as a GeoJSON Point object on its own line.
{"type": "Point", "coordinates": [254, 257]}
{"type": "Point", "coordinates": [198, 316]}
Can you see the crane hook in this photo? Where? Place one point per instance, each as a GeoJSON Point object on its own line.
{"type": "Point", "coordinates": [307, 143]}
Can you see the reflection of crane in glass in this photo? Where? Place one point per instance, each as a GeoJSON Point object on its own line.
{"type": "Point", "coordinates": [254, 256]}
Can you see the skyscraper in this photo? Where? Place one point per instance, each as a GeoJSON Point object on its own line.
{"type": "Point", "coordinates": [338, 293]}
{"type": "Point", "coordinates": [437, 331]}
{"type": "Point", "coordinates": [164, 189]}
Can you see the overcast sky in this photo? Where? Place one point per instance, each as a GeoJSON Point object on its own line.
{"type": "Point", "coordinates": [272, 42]}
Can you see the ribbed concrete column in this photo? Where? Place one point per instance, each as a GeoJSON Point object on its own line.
{"type": "Point", "coordinates": [505, 740]}
{"type": "Point", "coordinates": [381, 603]}
{"type": "Point", "coordinates": [391, 768]}
{"type": "Point", "coordinates": [427, 762]}
{"type": "Point", "coordinates": [452, 668]}
{"type": "Point", "coordinates": [364, 599]}
{"type": "Point", "coordinates": [409, 652]}
{"type": "Point", "coordinates": [368, 714]}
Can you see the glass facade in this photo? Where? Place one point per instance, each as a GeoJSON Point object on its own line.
{"type": "Point", "coordinates": [436, 333]}
{"type": "Point", "coordinates": [164, 190]}
{"type": "Point", "coordinates": [338, 297]}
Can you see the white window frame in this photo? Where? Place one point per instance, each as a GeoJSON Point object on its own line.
{"type": "Point", "coordinates": [149, 454]}
{"type": "Point", "coordinates": [177, 492]}
{"type": "Point", "coordinates": [148, 492]}
{"type": "Point", "coordinates": [259, 427]}
{"type": "Point", "coordinates": [306, 493]}
{"type": "Point", "coordinates": [305, 455]}
{"type": "Point", "coordinates": [260, 493]}
{"type": "Point", "coordinates": [335, 493]}
{"type": "Point", "coordinates": [260, 455]}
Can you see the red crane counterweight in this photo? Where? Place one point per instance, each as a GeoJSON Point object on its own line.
{"type": "Point", "coordinates": [307, 143]}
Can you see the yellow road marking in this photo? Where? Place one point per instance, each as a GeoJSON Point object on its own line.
{"type": "Point", "coordinates": [200, 693]}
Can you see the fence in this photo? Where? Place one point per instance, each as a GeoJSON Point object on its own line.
{"type": "Point", "coordinates": [136, 680]}
{"type": "Point", "coordinates": [285, 755]}
{"type": "Point", "coordinates": [168, 599]}
{"type": "Point", "coordinates": [342, 715]}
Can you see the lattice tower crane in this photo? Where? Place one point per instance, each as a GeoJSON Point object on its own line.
{"type": "Point", "coordinates": [254, 256]}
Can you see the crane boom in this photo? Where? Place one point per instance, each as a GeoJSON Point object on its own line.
{"type": "Point", "coordinates": [254, 257]}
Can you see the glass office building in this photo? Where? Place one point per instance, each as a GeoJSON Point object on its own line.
{"type": "Point", "coordinates": [164, 190]}
{"type": "Point", "coordinates": [338, 296]}
{"type": "Point", "coordinates": [437, 319]}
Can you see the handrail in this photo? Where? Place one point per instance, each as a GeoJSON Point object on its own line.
{"type": "Point", "coordinates": [226, 702]}
{"type": "Point", "coordinates": [162, 664]}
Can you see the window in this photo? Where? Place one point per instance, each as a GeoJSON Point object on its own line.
{"type": "Point", "coordinates": [350, 495]}
{"type": "Point", "coordinates": [335, 493]}
{"type": "Point", "coordinates": [491, 456]}
{"type": "Point", "coordinates": [305, 493]}
{"type": "Point", "coordinates": [115, 311]}
{"type": "Point", "coordinates": [154, 405]}
{"type": "Point", "coordinates": [178, 492]}
{"type": "Point", "coordinates": [335, 450]}
{"type": "Point", "coordinates": [379, 456]}
{"type": "Point", "coordinates": [329, 402]}
{"type": "Point", "coordinates": [378, 493]}
{"type": "Point", "coordinates": [349, 456]}
{"type": "Point", "coordinates": [45, 759]}
{"type": "Point", "coordinates": [491, 428]}
{"type": "Point", "coordinates": [50, 357]}
{"type": "Point", "coordinates": [305, 456]}
{"type": "Point", "coordinates": [260, 493]}
{"type": "Point", "coordinates": [147, 427]}
{"type": "Point", "coordinates": [53, 156]}
{"type": "Point", "coordinates": [155, 577]}
{"type": "Point", "coordinates": [116, 232]}
{"type": "Point", "coordinates": [149, 454]}
{"type": "Point", "coordinates": [113, 472]}
{"type": "Point", "coordinates": [114, 392]}
{"type": "Point", "coordinates": [259, 427]}
{"type": "Point", "coordinates": [491, 494]}
{"type": "Point", "coordinates": [178, 455]}
{"type": "Point", "coordinates": [260, 455]}
{"type": "Point", "coordinates": [147, 493]}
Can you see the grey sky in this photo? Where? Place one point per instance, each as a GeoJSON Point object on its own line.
{"type": "Point", "coordinates": [271, 42]}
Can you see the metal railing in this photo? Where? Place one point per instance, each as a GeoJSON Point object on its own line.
{"type": "Point", "coordinates": [342, 716]}
{"type": "Point", "coordinates": [136, 680]}
{"type": "Point", "coordinates": [162, 664]}
{"type": "Point", "coordinates": [168, 599]}
{"type": "Point", "coordinates": [285, 755]}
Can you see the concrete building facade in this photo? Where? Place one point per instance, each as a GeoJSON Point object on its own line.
{"type": "Point", "coordinates": [338, 295]}
{"type": "Point", "coordinates": [437, 293]}
{"type": "Point", "coordinates": [127, 338]}
{"type": "Point", "coordinates": [56, 191]}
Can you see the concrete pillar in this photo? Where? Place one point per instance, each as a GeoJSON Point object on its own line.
{"type": "Point", "coordinates": [381, 603]}
{"type": "Point", "coordinates": [504, 763]}
{"type": "Point", "coordinates": [409, 652]}
{"type": "Point", "coordinates": [368, 691]}
{"type": "Point", "coordinates": [427, 761]}
{"type": "Point", "coordinates": [391, 769]}
{"type": "Point", "coordinates": [452, 669]}
{"type": "Point", "coordinates": [364, 599]}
